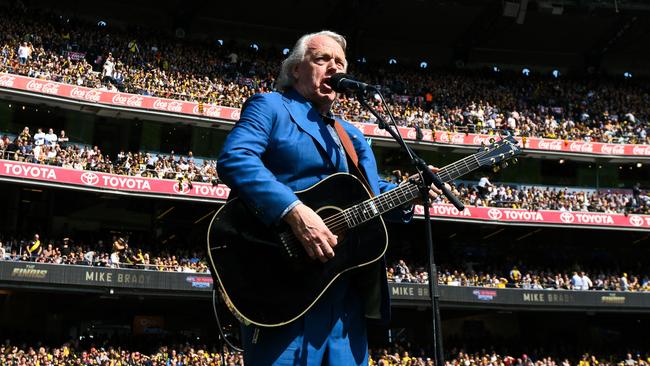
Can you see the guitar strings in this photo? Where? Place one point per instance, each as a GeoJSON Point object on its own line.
{"type": "Point", "coordinates": [337, 223]}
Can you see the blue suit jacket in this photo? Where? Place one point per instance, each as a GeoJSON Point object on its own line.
{"type": "Point", "coordinates": [281, 145]}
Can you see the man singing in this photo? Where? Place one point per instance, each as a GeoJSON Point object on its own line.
{"type": "Point", "coordinates": [285, 142]}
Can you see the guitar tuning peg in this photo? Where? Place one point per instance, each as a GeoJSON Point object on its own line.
{"type": "Point", "coordinates": [514, 161]}
{"type": "Point", "coordinates": [504, 164]}
{"type": "Point", "coordinates": [492, 140]}
{"type": "Point", "coordinates": [496, 168]}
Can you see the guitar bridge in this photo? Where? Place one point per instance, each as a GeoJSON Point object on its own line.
{"type": "Point", "coordinates": [287, 245]}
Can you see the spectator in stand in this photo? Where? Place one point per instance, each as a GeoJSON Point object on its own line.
{"type": "Point", "coordinates": [484, 186]}
{"type": "Point", "coordinates": [50, 138]}
{"type": "Point", "coordinates": [624, 283]}
{"type": "Point", "coordinates": [34, 247]}
{"type": "Point", "coordinates": [587, 284]}
{"type": "Point", "coordinates": [24, 52]}
{"type": "Point", "coordinates": [62, 139]}
{"type": "Point", "coordinates": [107, 69]}
{"type": "Point", "coordinates": [39, 137]}
{"type": "Point", "coordinates": [576, 281]}
{"type": "Point", "coordinates": [119, 245]}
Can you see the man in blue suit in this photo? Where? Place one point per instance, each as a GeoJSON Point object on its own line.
{"type": "Point", "coordinates": [285, 142]}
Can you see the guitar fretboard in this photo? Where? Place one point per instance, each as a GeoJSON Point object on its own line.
{"type": "Point", "coordinates": [405, 193]}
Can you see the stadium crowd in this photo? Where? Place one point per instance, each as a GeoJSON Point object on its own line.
{"type": "Point", "coordinates": [74, 353]}
{"type": "Point", "coordinates": [118, 255]}
{"type": "Point", "coordinates": [400, 356]}
{"type": "Point", "coordinates": [55, 48]}
{"type": "Point", "coordinates": [530, 279]}
{"type": "Point", "coordinates": [53, 149]}
{"type": "Point", "coordinates": [551, 198]}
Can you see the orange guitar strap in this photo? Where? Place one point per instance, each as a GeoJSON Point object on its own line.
{"type": "Point", "coordinates": [352, 155]}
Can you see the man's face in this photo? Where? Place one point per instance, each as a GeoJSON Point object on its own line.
{"type": "Point", "coordinates": [324, 57]}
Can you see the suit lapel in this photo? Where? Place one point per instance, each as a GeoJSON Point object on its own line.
{"type": "Point", "coordinates": [309, 120]}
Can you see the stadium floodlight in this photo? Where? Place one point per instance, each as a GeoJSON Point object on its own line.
{"type": "Point", "coordinates": [627, 75]}
{"type": "Point", "coordinates": [285, 51]}
{"type": "Point", "coordinates": [255, 46]}
{"type": "Point", "coordinates": [638, 165]}
{"type": "Point", "coordinates": [423, 65]}
{"type": "Point", "coordinates": [561, 161]}
{"type": "Point", "coordinates": [525, 71]}
{"type": "Point", "coordinates": [496, 69]}
{"type": "Point", "coordinates": [556, 73]}
{"type": "Point", "coordinates": [392, 61]}
{"type": "Point", "coordinates": [101, 23]}
{"type": "Point", "coordinates": [220, 42]}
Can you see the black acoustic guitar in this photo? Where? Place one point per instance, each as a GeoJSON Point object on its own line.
{"type": "Point", "coordinates": [264, 274]}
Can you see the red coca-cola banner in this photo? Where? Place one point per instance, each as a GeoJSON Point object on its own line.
{"type": "Point", "coordinates": [232, 114]}
{"type": "Point", "coordinates": [165, 188]}
{"type": "Point", "coordinates": [560, 146]}
{"type": "Point", "coordinates": [540, 217]}
{"type": "Point", "coordinates": [96, 180]}
{"type": "Point", "coordinates": [115, 98]}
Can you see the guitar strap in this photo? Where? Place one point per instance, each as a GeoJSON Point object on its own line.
{"type": "Point", "coordinates": [352, 155]}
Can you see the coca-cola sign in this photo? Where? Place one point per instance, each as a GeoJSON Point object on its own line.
{"type": "Point", "coordinates": [550, 144]}
{"type": "Point", "coordinates": [128, 100]}
{"type": "Point", "coordinates": [168, 105]}
{"type": "Point", "coordinates": [7, 81]}
{"type": "Point", "coordinates": [583, 147]}
{"type": "Point", "coordinates": [482, 140]}
{"type": "Point", "coordinates": [641, 150]}
{"type": "Point", "coordinates": [612, 149]}
{"type": "Point", "coordinates": [92, 95]}
{"type": "Point", "coordinates": [43, 86]}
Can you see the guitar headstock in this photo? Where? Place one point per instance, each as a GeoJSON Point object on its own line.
{"type": "Point", "coordinates": [498, 152]}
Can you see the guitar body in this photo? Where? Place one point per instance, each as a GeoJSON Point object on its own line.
{"type": "Point", "coordinates": [265, 275]}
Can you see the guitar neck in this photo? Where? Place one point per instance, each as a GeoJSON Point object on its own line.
{"type": "Point", "coordinates": [405, 193]}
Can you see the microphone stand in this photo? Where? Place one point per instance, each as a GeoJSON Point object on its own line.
{"type": "Point", "coordinates": [427, 178]}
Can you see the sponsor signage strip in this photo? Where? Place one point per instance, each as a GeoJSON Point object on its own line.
{"type": "Point", "coordinates": [450, 295]}
{"type": "Point", "coordinates": [540, 217]}
{"type": "Point", "coordinates": [97, 180]}
{"type": "Point", "coordinates": [135, 101]}
{"type": "Point", "coordinates": [167, 187]}
{"type": "Point", "coordinates": [201, 284]}
{"type": "Point", "coordinates": [87, 276]}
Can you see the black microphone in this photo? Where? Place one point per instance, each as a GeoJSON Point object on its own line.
{"type": "Point", "coordinates": [341, 83]}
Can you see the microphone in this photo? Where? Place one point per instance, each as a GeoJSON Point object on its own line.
{"type": "Point", "coordinates": [341, 83]}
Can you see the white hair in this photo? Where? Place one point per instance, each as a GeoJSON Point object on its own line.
{"type": "Point", "coordinates": [286, 80]}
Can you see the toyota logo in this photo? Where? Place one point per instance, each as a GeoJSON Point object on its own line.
{"type": "Point", "coordinates": [495, 214]}
{"type": "Point", "coordinates": [184, 189]}
{"type": "Point", "coordinates": [89, 178]}
{"type": "Point", "coordinates": [636, 220]}
{"type": "Point", "coordinates": [567, 217]}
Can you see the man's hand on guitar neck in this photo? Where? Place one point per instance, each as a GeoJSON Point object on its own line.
{"type": "Point", "coordinates": [434, 192]}
{"type": "Point", "coordinates": [309, 228]}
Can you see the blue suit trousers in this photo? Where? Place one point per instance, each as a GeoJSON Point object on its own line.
{"type": "Point", "coordinates": [332, 333]}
